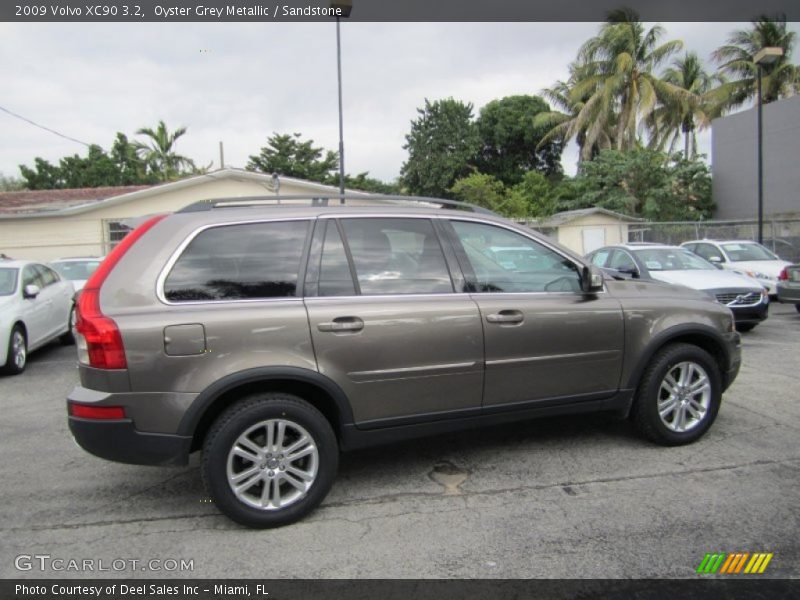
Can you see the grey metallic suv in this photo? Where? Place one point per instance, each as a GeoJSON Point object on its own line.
{"type": "Point", "coordinates": [272, 336]}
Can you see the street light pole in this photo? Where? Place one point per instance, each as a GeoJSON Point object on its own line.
{"type": "Point", "coordinates": [765, 56]}
{"type": "Point", "coordinates": [343, 8]}
{"type": "Point", "coordinates": [341, 120]}
{"type": "Point", "coordinates": [760, 144]}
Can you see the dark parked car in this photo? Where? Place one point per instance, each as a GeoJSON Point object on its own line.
{"type": "Point", "coordinates": [273, 336]}
{"type": "Point", "coordinates": [789, 285]}
{"type": "Point", "coordinates": [745, 296]}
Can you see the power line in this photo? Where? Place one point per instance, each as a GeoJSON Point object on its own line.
{"type": "Point", "coordinates": [35, 124]}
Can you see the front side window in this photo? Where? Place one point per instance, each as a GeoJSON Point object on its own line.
{"type": "Point", "coordinates": [708, 252]}
{"type": "Point", "coordinates": [621, 261]}
{"type": "Point", "coordinates": [49, 276]}
{"type": "Point", "coordinates": [505, 261]}
{"type": "Point", "coordinates": [397, 256]}
{"type": "Point", "coordinates": [236, 262]}
{"type": "Point", "coordinates": [30, 276]}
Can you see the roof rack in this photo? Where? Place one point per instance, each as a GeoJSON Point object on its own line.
{"type": "Point", "coordinates": [335, 200]}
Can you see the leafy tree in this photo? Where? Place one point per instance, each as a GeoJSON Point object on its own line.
{"type": "Point", "coordinates": [735, 59]}
{"type": "Point", "coordinates": [488, 191]}
{"type": "Point", "coordinates": [159, 152]}
{"type": "Point", "coordinates": [642, 183]}
{"type": "Point", "coordinates": [121, 166]}
{"type": "Point", "coordinates": [536, 192]}
{"type": "Point", "coordinates": [682, 115]}
{"type": "Point", "coordinates": [442, 147]}
{"type": "Point", "coordinates": [289, 155]}
{"type": "Point", "coordinates": [364, 183]}
{"type": "Point", "coordinates": [511, 143]}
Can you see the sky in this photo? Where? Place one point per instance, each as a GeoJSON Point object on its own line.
{"type": "Point", "coordinates": [239, 83]}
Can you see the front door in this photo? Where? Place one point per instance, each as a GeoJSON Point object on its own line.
{"type": "Point", "coordinates": [387, 324]}
{"type": "Point", "coordinates": [545, 340]}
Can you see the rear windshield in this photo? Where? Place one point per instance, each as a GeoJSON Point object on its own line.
{"type": "Point", "coordinates": [8, 281]}
{"type": "Point", "coordinates": [76, 270]}
{"type": "Point", "coordinates": [236, 262]}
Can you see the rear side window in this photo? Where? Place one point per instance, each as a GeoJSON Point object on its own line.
{"type": "Point", "coordinates": [238, 262]}
{"type": "Point", "coordinates": [397, 256]}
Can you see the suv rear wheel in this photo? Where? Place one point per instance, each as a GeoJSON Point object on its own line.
{"type": "Point", "coordinates": [679, 395]}
{"type": "Point", "coordinates": [269, 460]}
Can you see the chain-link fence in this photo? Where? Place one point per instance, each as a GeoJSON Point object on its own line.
{"type": "Point", "coordinates": [782, 236]}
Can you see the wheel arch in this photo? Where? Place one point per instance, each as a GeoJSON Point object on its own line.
{"type": "Point", "coordinates": [707, 338]}
{"type": "Point", "coordinates": [318, 390]}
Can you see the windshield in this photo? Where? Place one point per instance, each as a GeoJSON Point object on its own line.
{"type": "Point", "coordinates": [672, 259]}
{"type": "Point", "coordinates": [75, 270]}
{"type": "Point", "coordinates": [8, 281]}
{"type": "Point", "coordinates": [753, 251]}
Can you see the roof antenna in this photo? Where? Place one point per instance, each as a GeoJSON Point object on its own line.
{"type": "Point", "coordinates": [221, 156]}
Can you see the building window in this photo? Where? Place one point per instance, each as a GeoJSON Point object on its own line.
{"type": "Point", "coordinates": [114, 231]}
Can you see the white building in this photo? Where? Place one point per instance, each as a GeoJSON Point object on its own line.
{"type": "Point", "coordinates": [49, 224]}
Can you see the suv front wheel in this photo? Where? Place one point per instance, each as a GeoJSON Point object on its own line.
{"type": "Point", "coordinates": [679, 395]}
{"type": "Point", "coordinates": [269, 460]}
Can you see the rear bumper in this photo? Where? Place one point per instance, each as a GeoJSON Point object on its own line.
{"type": "Point", "coordinates": [789, 294]}
{"type": "Point", "coordinates": [119, 441]}
{"type": "Point", "coordinates": [734, 343]}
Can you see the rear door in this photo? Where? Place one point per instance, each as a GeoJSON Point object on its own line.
{"type": "Point", "coordinates": [388, 322]}
{"type": "Point", "coordinates": [545, 340]}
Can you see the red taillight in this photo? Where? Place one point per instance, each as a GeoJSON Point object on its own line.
{"type": "Point", "coordinates": [784, 274]}
{"type": "Point", "coordinates": [84, 411]}
{"type": "Point", "coordinates": [101, 336]}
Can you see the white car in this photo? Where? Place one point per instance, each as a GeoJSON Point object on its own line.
{"type": "Point", "coordinates": [35, 308]}
{"type": "Point", "coordinates": [742, 256]}
{"type": "Point", "coordinates": [77, 270]}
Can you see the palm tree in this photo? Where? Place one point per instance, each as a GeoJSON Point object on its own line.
{"type": "Point", "coordinates": [684, 114]}
{"type": "Point", "coordinates": [735, 59]}
{"type": "Point", "coordinates": [571, 121]}
{"type": "Point", "coordinates": [159, 153]}
{"type": "Point", "coordinates": [617, 76]}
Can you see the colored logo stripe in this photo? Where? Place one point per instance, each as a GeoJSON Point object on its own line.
{"type": "Point", "coordinates": [734, 563]}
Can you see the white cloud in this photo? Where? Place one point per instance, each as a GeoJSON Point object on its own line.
{"type": "Point", "coordinates": [240, 82]}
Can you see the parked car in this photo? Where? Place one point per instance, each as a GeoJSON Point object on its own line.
{"type": "Point", "coordinates": [742, 256]}
{"type": "Point", "coordinates": [77, 270]}
{"type": "Point", "coordinates": [745, 296]}
{"type": "Point", "coordinates": [35, 308]}
{"type": "Point", "coordinates": [273, 336]}
{"type": "Point", "coordinates": [789, 285]}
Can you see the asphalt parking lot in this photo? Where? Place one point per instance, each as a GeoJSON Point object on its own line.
{"type": "Point", "coordinates": [566, 497]}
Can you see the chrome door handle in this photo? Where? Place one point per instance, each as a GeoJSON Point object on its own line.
{"type": "Point", "coordinates": [507, 317]}
{"type": "Point", "coordinates": [342, 324]}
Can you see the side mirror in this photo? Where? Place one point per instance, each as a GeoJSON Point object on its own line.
{"type": "Point", "coordinates": [633, 272]}
{"type": "Point", "coordinates": [31, 291]}
{"type": "Point", "coordinates": [715, 259]}
{"type": "Point", "coordinates": [591, 280]}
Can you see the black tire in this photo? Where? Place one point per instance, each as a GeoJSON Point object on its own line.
{"type": "Point", "coordinates": [68, 338]}
{"type": "Point", "coordinates": [745, 327]}
{"type": "Point", "coordinates": [797, 307]}
{"type": "Point", "coordinates": [225, 434]}
{"type": "Point", "coordinates": [12, 366]}
{"type": "Point", "coordinates": [645, 413]}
